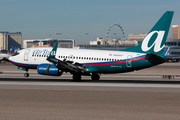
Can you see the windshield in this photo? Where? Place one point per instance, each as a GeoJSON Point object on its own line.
{"type": "Point", "coordinates": [16, 53]}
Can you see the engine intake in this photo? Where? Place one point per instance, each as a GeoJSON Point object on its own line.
{"type": "Point", "coordinates": [49, 69]}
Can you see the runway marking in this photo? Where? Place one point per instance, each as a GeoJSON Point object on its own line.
{"type": "Point", "coordinates": [136, 85]}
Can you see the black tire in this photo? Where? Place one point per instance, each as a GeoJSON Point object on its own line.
{"type": "Point", "coordinates": [95, 77]}
{"type": "Point", "coordinates": [26, 74]}
{"type": "Point", "coordinates": [76, 77]}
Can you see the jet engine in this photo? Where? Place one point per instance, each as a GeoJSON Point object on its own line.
{"type": "Point", "coordinates": [49, 69]}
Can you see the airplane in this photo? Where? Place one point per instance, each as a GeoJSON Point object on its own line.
{"type": "Point", "coordinates": [54, 61]}
{"type": "Point", "coordinates": [172, 58]}
{"type": "Point", "coordinates": [4, 56]}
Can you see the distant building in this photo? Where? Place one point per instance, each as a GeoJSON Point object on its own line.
{"type": "Point", "coordinates": [101, 41]}
{"type": "Point", "coordinates": [175, 46]}
{"type": "Point", "coordinates": [10, 41]}
{"type": "Point", "coordinates": [174, 43]}
{"type": "Point", "coordinates": [176, 32]}
{"type": "Point", "coordinates": [137, 37]}
{"type": "Point", "coordinates": [63, 43]}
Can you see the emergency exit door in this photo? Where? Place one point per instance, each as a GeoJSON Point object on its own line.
{"type": "Point", "coordinates": [128, 61]}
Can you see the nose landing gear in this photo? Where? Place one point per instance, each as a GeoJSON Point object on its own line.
{"type": "Point", "coordinates": [26, 74]}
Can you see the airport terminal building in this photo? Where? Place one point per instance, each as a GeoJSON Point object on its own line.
{"type": "Point", "coordinates": [10, 40]}
{"type": "Point", "coordinates": [175, 46]}
{"type": "Point", "coordinates": [49, 42]}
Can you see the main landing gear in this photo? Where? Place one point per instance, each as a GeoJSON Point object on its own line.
{"type": "Point", "coordinates": [77, 77]}
{"type": "Point", "coordinates": [95, 76]}
{"type": "Point", "coordinates": [26, 74]}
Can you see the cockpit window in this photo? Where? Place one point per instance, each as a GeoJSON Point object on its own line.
{"type": "Point", "coordinates": [17, 53]}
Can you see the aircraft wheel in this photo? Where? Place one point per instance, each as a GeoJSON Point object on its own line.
{"type": "Point", "coordinates": [26, 74]}
{"type": "Point", "coordinates": [95, 77]}
{"type": "Point", "coordinates": [76, 77]}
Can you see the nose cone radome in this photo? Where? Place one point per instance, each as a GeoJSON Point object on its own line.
{"type": "Point", "coordinates": [10, 59]}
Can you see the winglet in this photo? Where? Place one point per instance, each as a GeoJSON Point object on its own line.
{"type": "Point", "coordinates": [166, 51]}
{"type": "Point", "coordinates": [53, 52]}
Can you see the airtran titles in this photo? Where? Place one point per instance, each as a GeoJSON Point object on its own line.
{"type": "Point", "coordinates": [41, 52]}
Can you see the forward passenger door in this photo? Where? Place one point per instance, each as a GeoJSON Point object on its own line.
{"type": "Point", "coordinates": [26, 53]}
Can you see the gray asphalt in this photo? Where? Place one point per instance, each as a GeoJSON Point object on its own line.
{"type": "Point", "coordinates": [139, 95]}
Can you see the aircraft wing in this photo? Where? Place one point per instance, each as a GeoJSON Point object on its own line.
{"type": "Point", "coordinates": [65, 65]}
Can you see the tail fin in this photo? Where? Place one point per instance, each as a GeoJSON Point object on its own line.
{"type": "Point", "coordinates": [53, 52]}
{"type": "Point", "coordinates": [166, 51]}
{"type": "Point", "coordinates": [155, 40]}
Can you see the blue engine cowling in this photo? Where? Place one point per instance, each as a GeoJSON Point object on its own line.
{"type": "Point", "coordinates": [48, 69]}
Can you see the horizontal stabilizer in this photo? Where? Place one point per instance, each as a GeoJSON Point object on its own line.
{"type": "Point", "coordinates": [153, 58]}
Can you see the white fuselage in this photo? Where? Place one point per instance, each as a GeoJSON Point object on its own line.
{"type": "Point", "coordinates": [38, 56]}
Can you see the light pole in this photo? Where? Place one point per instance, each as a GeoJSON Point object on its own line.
{"type": "Point", "coordinates": [87, 34]}
{"type": "Point", "coordinates": [58, 34]}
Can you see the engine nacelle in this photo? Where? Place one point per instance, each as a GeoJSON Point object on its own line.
{"type": "Point", "coordinates": [49, 69]}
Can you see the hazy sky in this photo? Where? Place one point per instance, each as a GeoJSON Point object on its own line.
{"type": "Point", "coordinates": [38, 19]}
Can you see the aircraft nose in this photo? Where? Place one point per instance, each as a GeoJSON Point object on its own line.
{"type": "Point", "coordinates": [10, 59]}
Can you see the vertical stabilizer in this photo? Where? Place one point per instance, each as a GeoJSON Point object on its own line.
{"type": "Point", "coordinates": [53, 52]}
{"type": "Point", "coordinates": [155, 40]}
